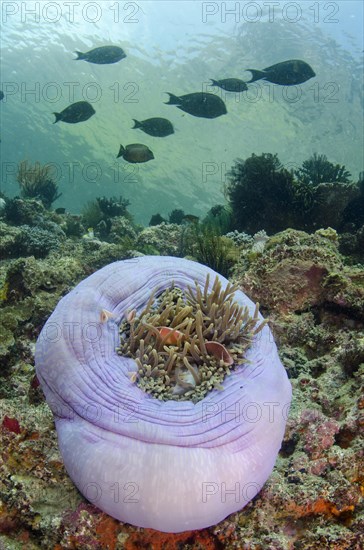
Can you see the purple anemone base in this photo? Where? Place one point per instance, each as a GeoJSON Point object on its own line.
{"type": "Point", "coordinates": [172, 466]}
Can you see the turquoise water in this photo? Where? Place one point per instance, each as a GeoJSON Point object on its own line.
{"type": "Point", "coordinates": [175, 47]}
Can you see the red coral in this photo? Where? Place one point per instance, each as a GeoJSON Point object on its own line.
{"type": "Point", "coordinates": [11, 424]}
{"type": "Point", "coordinates": [149, 538]}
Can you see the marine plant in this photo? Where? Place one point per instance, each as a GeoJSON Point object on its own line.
{"type": "Point", "coordinates": [113, 206]}
{"type": "Point", "coordinates": [37, 182]}
{"type": "Point", "coordinates": [353, 215]}
{"type": "Point", "coordinates": [72, 226]}
{"type": "Point", "coordinates": [317, 169]}
{"type": "Point", "coordinates": [186, 343]}
{"type": "Point", "coordinates": [176, 216]}
{"type": "Point", "coordinates": [156, 219]}
{"type": "Point", "coordinates": [92, 214]}
{"type": "Point", "coordinates": [99, 213]}
{"type": "Point", "coordinates": [264, 195]}
{"type": "Point", "coordinates": [220, 218]}
{"type": "Point", "coordinates": [260, 193]}
{"type": "Point", "coordinates": [204, 242]}
{"type": "Point", "coordinates": [4, 291]}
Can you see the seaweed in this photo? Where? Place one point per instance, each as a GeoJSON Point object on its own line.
{"type": "Point", "coordinates": [204, 243]}
{"type": "Point", "coordinates": [113, 207]}
{"type": "Point", "coordinates": [353, 215]}
{"type": "Point", "coordinates": [92, 214]}
{"type": "Point", "coordinates": [176, 216]}
{"type": "Point", "coordinates": [220, 218]}
{"type": "Point", "coordinates": [264, 195]}
{"type": "Point", "coordinates": [156, 219]}
{"type": "Point", "coordinates": [37, 182]}
{"type": "Point", "coordinates": [261, 194]}
{"type": "Point", "coordinates": [317, 169]}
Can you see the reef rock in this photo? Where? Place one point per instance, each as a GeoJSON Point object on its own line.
{"type": "Point", "coordinates": [8, 239]}
{"type": "Point", "coordinates": [297, 271]}
{"type": "Point", "coordinates": [165, 239]}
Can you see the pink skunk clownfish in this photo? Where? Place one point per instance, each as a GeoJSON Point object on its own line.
{"type": "Point", "coordinates": [170, 336]}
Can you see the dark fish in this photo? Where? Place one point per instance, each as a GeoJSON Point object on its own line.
{"type": "Point", "coordinates": [135, 152]}
{"type": "Point", "coordinates": [230, 84]}
{"type": "Point", "coordinates": [77, 112]}
{"type": "Point", "coordinates": [158, 127]}
{"type": "Point", "coordinates": [287, 73]}
{"type": "Point", "coordinates": [201, 104]}
{"type": "Point", "coordinates": [102, 56]}
{"type": "Point", "coordinates": [1, 95]}
{"type": "Point", "coordinates": [60, 210]}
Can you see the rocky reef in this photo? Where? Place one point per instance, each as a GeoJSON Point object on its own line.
{"type": "Point", "coordinates": [263, 194]}
{"type": "Point", "coordinates": [311, 288]}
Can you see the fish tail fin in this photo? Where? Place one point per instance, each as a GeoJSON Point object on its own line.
{"type": "Point", "coordinates": [137, 124]}
{"type": "Point", "coordinates": [173, 99]}
{"type": "Point", "coordinates": [58, 117]}
{"type": "Point", "coordinates": [121, 151]}
{"type": "Point", "coordinates": [80, 55]}
{"type": "Point", "coordinates": [256, 75]}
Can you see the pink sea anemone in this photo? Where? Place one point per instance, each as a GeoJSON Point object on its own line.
{"type": "Point", "coordinates": [170, 465]}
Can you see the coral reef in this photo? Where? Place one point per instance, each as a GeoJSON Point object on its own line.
{"type": "Point", "coordinates": [162, 239]}
{"type": "Point", "coordinates": [331, 201]}
{"type": "Point", "coordinates": [297, 271]}
{"type": "Point", "coordinates": [26, 240]}
{"type": "Point", "coordinates": [24, 212]}
{"type": "Point", "coordinates": [352, 246]}
{"type": "Point", "coordinates": [121, 230]}
{"type": "Point", "coordinates": [36, 241]}
{"type": "Point", "coordinates": [8, 238]}
{"type": "Point", "coordinates": [2, 205]}
{"type": "Point", "coordinates": [72, 225]}
{"type": "Point", "coordinates": [312, 289]}
{"type": "Point", "coordinates": [239, 238]}
{"type": "Point", "coordinates": [264, 195]}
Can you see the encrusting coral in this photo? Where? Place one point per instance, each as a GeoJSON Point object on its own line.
{"type": "Point", "coordinates": [184, 344]}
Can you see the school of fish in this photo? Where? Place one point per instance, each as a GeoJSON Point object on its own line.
{"type": "Point", "coordinates": [198, 104]}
